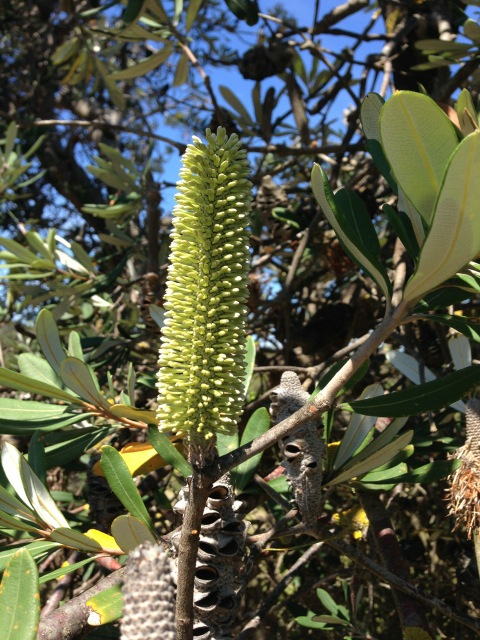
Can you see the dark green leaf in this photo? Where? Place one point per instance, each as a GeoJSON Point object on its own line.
{"type": "Point", "coordinates": [35, 549]}
{"type": "Point", "coordinates": [430, 396]}
{"type": "Point", "coordinates": [122, 485]}
{"type": "Point", "coordinates": [36, 457]}
{"type": "Point", "coordinates": [404, 229]}
{"type": "Point", "coordinates": [76, 540]}
{"type": "Point", "coordinates": [431, 472]}
{"type": "Point", "coordinates": [169, 453]}
{"type": "Point", "coordinates": [470, 327]}
{"type": "Point", "coordinates": [68, 568]}
{"type": "Point", "coordinates": [355, 211]}
{"type": "Point", "coordinates": [257, 425]}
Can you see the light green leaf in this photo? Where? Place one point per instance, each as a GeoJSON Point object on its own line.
{"type": "Point", "coordinates": [75, 346]}
{"type": "Point", "coordinates": [357, 430]}
{"type": "Point", "coordinates": [250, 362]}
{"type": "Point", "coordinates": [35, 367]}
{"type": "Point", "coordinates": [64, 569]}
{"type": "Point", "coordinates": [345, 234]}
{"type": "Point", "coordinates": [378, 459]}
{"type": "Point", "coordinates": [125, 411]}
{"type": "Point", "coordinates": [418, 140]}
{"type": "Point", "coordinates": [49, 339]}
{"type": "Point", "coordinates": [157, 314]}
{"type": "Point", "coordinates": [8, 522]}
{"type": "Point", "coordinates": [35, 241]}
{"type": "Point", "coordinates": [35, 549]}
{"type": "Point", "coordinates": [20, 598]}
{"type": "Point", "coordinates": [76, 540]}
{"type": "Point", "coordinates": [430, 396]}
{"type": "Point", "coordinates": [10, 137]}
{"type": "Point", "coordinates": [454, 236]}
{"type": "Point", "coordinates": [14, 507]}
{"type": "Point", "coordinates": [23, 254]}
{"type": "Point", "coordinates": [122, 485]}
{"type": "Point", "coordinates": [129, 533]}
{"type": "Point", "coordinates": [106, 606]}
{"type": "Point", "coordinates": [77, 376]}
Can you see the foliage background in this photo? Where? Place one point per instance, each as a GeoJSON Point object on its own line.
{"type": "Point", "coordinates": [291, 87]}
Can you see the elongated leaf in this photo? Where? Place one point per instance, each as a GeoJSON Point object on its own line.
{"type": "Point", "coordinates": [430, 396]}
{"type": "Point", "coordinates": [378, 442]}
{"type": "Point", "coordinates": [357, 430]}
{"type": "Point", "coordinates": [168, 452]}
{"type": "Point", "coordinates": [390, 474]}
{"type": "Point", "coordinates": [15, 410]}
{"type": "Point", "coordinates": [64, 569]}
{"type": "Point", "coordinates": [129, 533]}
{"type": "Point", "coordinates": [454, 236]}
{"type": "Point", "coordinates": [192, 11]}
{"type": "Point", "coordinates": [35, 241]}
{"type": "Point", "coordinates": [379, 458]}
{"type": "Point", "coordinates": [470, 327]}
{"type": "Point", "coordinates": [416, 221]}
{"type": "Point", "coordinates": [76, 540]}
{"type": "Point", "coordinates": [106, 606]}
{"type": "Point", "coordinates": [355, 211]}
{"type": "Point", "coordinates": [11, 505]}
{"type": "Point", "coordinates": [144, 66]}
{"type": "Point", "coordinates": [37, 368]}
{"type": "Point", "coordinates": [20, 598]}
{"type": "Point", "coordinates": [140, 458]}
{"type": "Point", "coordinates": [23, 254]}
{"type": "Point", "coordinates": [234, 101]}
{"type": "Point", "coordinates": [418, 140]}
{"type": "Point", "coordinates": [49, 339]}
{"type": "Point", "coordinates": [181, 72]}
{"type": "Point", "coordinates": [122, 485]}
{"type": "Point", "coordinates": [250, 362]}
{"type": "Point", "coordinates": [9, 522]}
{"type": "Point", "coordinates": [411, 369]}
{"type": "Point", "coordinates": [257, 425]}
{"type": "Point", "coordinates": [36, 456]}
{"type": "Point", "coordinates": [345, 234]}
{"type": "Point", "coordinates": [157, 314]}
{"type": "Point", "coordinates": [125, 411]}
{"type": "Point", "coordinates": [460, 350]}
{"type": "Point", "coordinates": [35, 549]}
{"type": "Point", "coordinates": [73, 445]}
{"type": "Point", "coordinates": [77, 376]}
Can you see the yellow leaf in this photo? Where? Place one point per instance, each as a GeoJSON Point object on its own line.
{"type": "Point", "coordinates": [140, 458]}
{"type": "Point", "coordinates": [107, 542]}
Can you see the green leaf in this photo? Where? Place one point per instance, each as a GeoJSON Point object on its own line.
{"type": "Point", "coordinates": [370, 119]}
{"type": "Point", "coordinates": [181, 72]}
{"type": "Point", "coordinates": [35, 241]}
{"type": "Point", "coordinates": [257, 425]}
{"type": "Point", "coordinates": [35, 549]}
{"type": "Point", "coordinates": [418, 140]}
{"type": "Point", "coordinates": [76, 540]}
{"type": "Point", "coordinates": [77, 376]}
{"type": "Point", "coordinates": [36, 456]}
{"type": "Point", "coordinates": [75, 346]}
{"type": "Point", "coordinates": [169, 453]}
{"type": "Point", "coordinates": [250, 362]}
{"type": "Point", "coordinates": [358, 429]}
{"type": "Point", "coordinates": [460, 351]}
{"type": "Point", "coordinates": [20, 598]}
{"type": "Point", "coordinates": [144, 66]}
{"type": "Point", "coordinates": [9, 522]}
{"type": "Point", "coordinates": [236, 104]}
{"type": "Point", "coordinates": [374, 461]}
{"type": "Point", "coordinates": [307, 621]}
{"type": "Point", "coordinates": [430, 396]}
{"type": "Point", "coordinates": [331, 620]}
{"type": "Point", "coordinates": [69, 568]}
{"type": "Point", "coordinates": [23, 254]}
{"type": "Point", "coordinates": [470, 327]}
{"type": "Point", "coordinates": [227, 442]}
{"type": "Point", "coordinates": [157, 314]}
{"type": "Point", "coordinates": [35, 367]}
{"type": "Point", "coordinates": [402, 225]}
{"type": "Point", "coordinates": [29, 488]}
{"type": "Point", "coordinates": [346, 235]}
{"type": "Point", "coordinates": [106, 606]}
{"type": "Point", "coordinates": [431, 472]}
{"type": "Point", "coordinates": [122, 485]}
{"type": "Point", "coordinates": [192, 11]}
{"type": "Point", "coordinates": [355, 212]}
{"type": "Point", "coordinates": [49, 339]}
{"type": "Point", "coordinates": [454, 236]}
{"type": "Point", "coordinates": [72, 444]}
{"type": "Point", "coordinates": [129, 533]}
{"type": "Point", "coordinates": [133, 10]}
{"type": "Point", "coordinates": [327, 601]}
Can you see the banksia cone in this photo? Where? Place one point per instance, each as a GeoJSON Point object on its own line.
{"type": "Point", "coordinates": [148, 596]}
{"type": "Point", "coordinates": [202, 355]}
{"type": "Point", "coordinates": [464, 493]}
{"type": "Point", "coordinates": [303, 450]}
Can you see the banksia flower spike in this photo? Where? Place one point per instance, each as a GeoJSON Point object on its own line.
{"type": "Point", "coordinates": [202, 355]}
{"type": "Point", "coordinates": [464, 493]}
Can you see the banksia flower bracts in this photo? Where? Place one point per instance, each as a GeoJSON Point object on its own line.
{"type": "Point", "coordinates": [201, 362]}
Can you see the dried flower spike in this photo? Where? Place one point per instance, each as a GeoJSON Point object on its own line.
{"type": "Point", "coordinates": [464, 493]}
{"type": "Point", "coordinates": [202, 355]}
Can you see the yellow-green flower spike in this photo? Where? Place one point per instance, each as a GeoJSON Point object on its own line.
{"type": "Point", "coordinates": [202, 355]}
